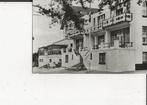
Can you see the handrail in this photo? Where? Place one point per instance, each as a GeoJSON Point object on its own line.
{"type": "Point", "coordinates": [112, 44]}
{"type": "Point", "coordinates": [104, 23]}
{"type": "Point", "coordinates": [117, 19]}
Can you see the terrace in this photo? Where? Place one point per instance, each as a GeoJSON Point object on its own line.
{"type": "Point", "coordinates": [126, 17]}
{"type": "Point", "coordinates": [115, 44]}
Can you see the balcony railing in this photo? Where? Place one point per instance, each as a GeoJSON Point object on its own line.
{"type": "Point", "coordinates": [126, 17]}
{"type": "Point", "coordinates": [113, 45]}
{"type": "Point", "coordinates": [74, 32]}
{"type": "Point", "coordinates": [107, 22]}
{"type": "Point", "coordinates": [97, 27]}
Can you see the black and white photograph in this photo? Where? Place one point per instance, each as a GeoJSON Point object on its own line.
{"type": "Point", "coordinates": [73, 37]}
{"type": "Point", "coordinates": [89, 36]}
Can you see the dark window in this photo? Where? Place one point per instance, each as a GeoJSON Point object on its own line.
{"type": "Point", "coordinates": [101, 39]}
{"type": "Point", "coordinates": [144, 11]}
{"type": "Point", "coordinates": [144, 57]}
{"type": "Point", "coordinates": [90, 19]}
{"type": "Point", "coordinates": [66, 58]}
{"type": "Point", "coordinates": [93, 21]}
{"type": "Point", "coordinates": [119, 11]}
{"type": "Point", "coordinates": [144, 35]}
{"type": "Point", "coordinates": [71, 45]}
{"type": "Point", "coordinates": [102, 58]}
{"type": "Point", "coordinates": [41, 60]}
{"type": "Point", "coordinates": [91, 56]}
{"type": "Point", "coordinates": [72, 57]}
{"type": "Point", "coordinates": [50, 60]}
{"type": "Point", "coordinates": [100, 19]}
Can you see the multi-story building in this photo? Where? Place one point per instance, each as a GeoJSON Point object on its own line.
{"type": "Point", "coordinates": [60, 53]}
{"type": "Point", "coordinates": [50, 56]}
{"type": "Point", "coordinates": [114, 39]}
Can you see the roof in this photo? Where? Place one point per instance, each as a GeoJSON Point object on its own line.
{"type": "Point", "coordinates": [59, 41]}
{"type": "Point", "coordinates": [82, 11]}
{"type": "Point", "coordinates": [62, 40]}
{"type": "Point", "coordinates": [63, 45]}
{"type": "Point", "coordinates": [42, 47]}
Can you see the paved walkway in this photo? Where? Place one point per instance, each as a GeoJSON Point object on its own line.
{"type": "Point", "coordinates": [71, 71]}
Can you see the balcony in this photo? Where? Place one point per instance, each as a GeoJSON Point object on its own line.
{"type": "Point", "coordinates": [74, 32]}
{"type": "Point", "coordinates": [97, 28]}
{"type": "Point", "coordinates": [115, 44]}
{"type": "Point", "coordinates": [126, 17]}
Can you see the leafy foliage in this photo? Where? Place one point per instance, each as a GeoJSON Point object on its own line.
{"type": "Point", "coordinates": [66, 12]}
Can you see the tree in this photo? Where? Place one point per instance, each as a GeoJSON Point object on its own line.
{"type": "Point", "coordinates": [63, 11]}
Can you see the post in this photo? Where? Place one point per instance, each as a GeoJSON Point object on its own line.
{"type": "Point", "coordinates": [95, 42]}
{"type": "Point", "coordinates": [90, 40]}
{"type": "Point", "coordinates": [107, 38]}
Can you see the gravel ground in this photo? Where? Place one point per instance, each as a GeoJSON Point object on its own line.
{"type": "Point", "coordinates": [37, 70]}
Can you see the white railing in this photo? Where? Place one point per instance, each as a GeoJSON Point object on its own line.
{"type": "Point", "coordinates": [126, 17]}
{"type": "Point", "coordinates": [107, 22]}
{"type": "Point", "coordinates": [115, 44]}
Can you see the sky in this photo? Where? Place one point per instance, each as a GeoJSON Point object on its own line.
{"type": "Point", "coordinates": [43, 35]}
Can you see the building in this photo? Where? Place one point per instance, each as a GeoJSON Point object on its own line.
{"type": "Point", "coordinates": [50, 56]}
{"type": "Point", "coordinates": [69, 57]}
{"type": "Point", "coordinates": [58, 54]}
{"type": "Point", "coordinates": [113, 40]}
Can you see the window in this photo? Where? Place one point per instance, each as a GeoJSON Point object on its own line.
{"type": "Point", "coordinates": [119, 11]}
{"type": "Point", "coordinates": [144, 35]}
{"type": "Point", "coordinates": [91, 56]}
{"type": "Point", "coordinates": [144, 11]}
{"type": "Point", "coordinates": [101, 39]}
{"type": "Point", "coordinates": [93, 21]}
{"type": "Point", "coordinates": [72, 57]}
{"type": "Point", "coordinates": [123, 35]}
{"type": "Point", "coordinates": [50, 60]}
{"type": "Point", "coordinates": [100, 19]}
{"type": "Point", "coordinates": [144, 57]}
{"type": "Point", "coordinates": [41, 60]}
{"type": "Point", "coordinates": [71, 45]}
{"type": "Point", "coordinates": [66, 58]}
{"type": "Point", "coordinates": [102, 58]}
{"type": "Point", "coordinates": [89, 18]}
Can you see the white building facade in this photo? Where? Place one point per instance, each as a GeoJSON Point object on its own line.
{"type": "Point", "coordinates": [58, 54]}
{"type": "Point", "coordinates": [115, 39]}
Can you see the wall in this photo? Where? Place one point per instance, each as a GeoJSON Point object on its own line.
{"type": "Point", "coordinates": [54, 58]}
{"type": "Point", "coordinates": [136, 30]}
{"type": "Point", "coordinates": [117, 60]}
{"type": "Point", "coordinates": [45, 61]}
{"type": "Point", "coordinates": [76, 59]}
